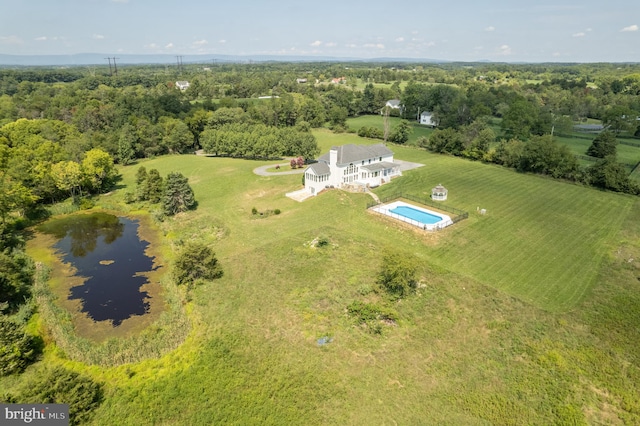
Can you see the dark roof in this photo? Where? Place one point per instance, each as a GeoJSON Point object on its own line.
{"type": "Point", "coordinates": [354, 153]}
{"type": "Point", "coordinates": [319, 168]}
{"type": "Point", "coordinates": [379, 166]}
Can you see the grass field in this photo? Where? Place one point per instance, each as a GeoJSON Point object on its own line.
{"type": "Point", "coordinates": [377, 121]}
{"type": "Point", "coordinates": [527, 315]}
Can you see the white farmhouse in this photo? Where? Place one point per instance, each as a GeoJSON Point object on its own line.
{"type": "Point", "coordinates": [182, 85]}
{"type": "Point", "coordinates": [426, 118]}
{"type": "Point", "coordinates": [351, 165]}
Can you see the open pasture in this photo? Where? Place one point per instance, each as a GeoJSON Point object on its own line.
{"type": "Point", "coordinates": [498, 332]}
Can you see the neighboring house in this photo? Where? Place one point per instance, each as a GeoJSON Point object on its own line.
{"type": "Point", "coordinates": [182, 85]}
{"type": "Point", "coordinates": [339, 80]}
{"type": "Point", "coordinates": [351, 165]}
{"type": "Point", "coordinates": [426, 118]}
{"type": "Point", "coordinates": [393, 103]}
{"type": "Point", "coordinates": [301, 80]}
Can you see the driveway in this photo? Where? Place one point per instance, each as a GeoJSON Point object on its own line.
{"type": "Point", "coordinates": [262, 170]}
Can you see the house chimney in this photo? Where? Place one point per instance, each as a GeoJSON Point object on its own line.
{"type": "Point", "coordinates": [333, 156]}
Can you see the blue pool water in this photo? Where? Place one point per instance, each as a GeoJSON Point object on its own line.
{"type": "Point", "coordinates": [417, 215]}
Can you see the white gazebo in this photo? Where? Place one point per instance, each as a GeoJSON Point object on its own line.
{"type": "Point", "coordinates": [439, 193]}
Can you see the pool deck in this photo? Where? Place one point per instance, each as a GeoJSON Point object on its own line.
{"type": "Point", "coordinates": [385, 209]}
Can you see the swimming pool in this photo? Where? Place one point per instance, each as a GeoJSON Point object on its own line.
{"type": "Point", "coordinates": [414, 215]}
{"type": "Point", "coordinates": [417, 215]}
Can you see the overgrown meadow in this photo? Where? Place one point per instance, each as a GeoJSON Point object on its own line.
{"type": "Point", "coordinates": [526, 315]}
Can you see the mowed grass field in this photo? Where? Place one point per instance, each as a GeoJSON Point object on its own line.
{"type": "Point", "coordinates": [541, 240]}
{"type": "Point", "coordinates": [529, 314]}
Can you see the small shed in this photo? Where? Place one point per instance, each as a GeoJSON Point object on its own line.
{"type": "Point", "coordinates": [439, 193]}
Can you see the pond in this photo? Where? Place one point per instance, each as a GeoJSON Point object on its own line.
{"type": "Point", "coordinates": [109, 257]}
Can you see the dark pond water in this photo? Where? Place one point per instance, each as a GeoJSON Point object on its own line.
{"type": "Point", "coordinates": [106, 250]}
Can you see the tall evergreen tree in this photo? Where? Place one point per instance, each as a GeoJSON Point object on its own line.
{"type": "Point", "coordinates": [153, 187]}
{"type": "Point", "coordinates": [178, 195]}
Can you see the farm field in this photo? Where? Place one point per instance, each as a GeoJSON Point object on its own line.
{"type": "Point", "coordinates": [527, 315]}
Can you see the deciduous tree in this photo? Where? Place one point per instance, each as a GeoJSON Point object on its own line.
{"type": "Point", "coordinates": [603, 145]}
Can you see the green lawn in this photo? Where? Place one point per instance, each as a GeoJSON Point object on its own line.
{"type": "Point", "coordinates": [528, 315]}
{"type": "Point", "coordinates": [377, 121]}
{"type": "Point", "coordinates": [541, 240]}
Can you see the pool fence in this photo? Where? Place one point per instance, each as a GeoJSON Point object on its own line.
{"type": "Point", "coordinates": [458, 214]}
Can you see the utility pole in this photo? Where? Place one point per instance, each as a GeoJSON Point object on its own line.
{"type": "Point", "coordinates": [110, 72]}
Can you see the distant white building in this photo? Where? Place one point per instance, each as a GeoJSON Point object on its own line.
{"type": "Point", "coordinates": [182, 85]}
{"type": "Point", "coordinates": [394, 103]}
{"type": "Point", "coordinates": [365, 165]}
{"type": "Point", "coordinates": [426, 118]}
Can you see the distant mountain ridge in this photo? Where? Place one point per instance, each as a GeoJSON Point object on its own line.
{"type": "Point", "coordinates": [101, 59]}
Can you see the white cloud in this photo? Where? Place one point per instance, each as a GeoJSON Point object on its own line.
{"type": "Point", "coordinates": [504, 50]}
{"type": "Point", "coordinates": [376, 45]}
{"type": "Point", "coordinates": [629, 28]}
{"type": "Point", "coordinates": [169, 46]}
{"type": "Point", "coordinates": [316, 43]}
{"type": "Point", "coordinates": [43, 38]}
{"type": "Point", "coordinates": [151, 46]}
{"type": "Point", "coordinates": [490, 28]}
{"type": "Point", "coordinates": [10, 40]}
{"type": "Point", "coordinates": [331, 44]}
{"type": "Point", "coordinates": [201, 42]}
{"type": "Point", "coordinates": [352, 46]}
{"type": "Point", "coordinates": [430, 44]}
{"type": "Point", "coordinates": [97, 37]}
{"type": "Point", "coordinates": [580, 34]}
{"type": "Point", "coordinates": [400, 39]}
{"type": "Point", "coordinates": [556, 54]}
{"type": "Point", "coordinates": [222, 41]}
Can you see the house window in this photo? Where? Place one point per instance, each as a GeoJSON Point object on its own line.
{"type": "Point", "coordinates": [380, 158]}
{"type": "Point", "coordinates": [363, 162]}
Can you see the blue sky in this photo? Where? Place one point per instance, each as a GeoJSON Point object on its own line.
{"type": "Point", "coordinates": [511, 31]}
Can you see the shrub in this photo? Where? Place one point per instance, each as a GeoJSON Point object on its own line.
{"type": "Point", "coordinates": [276, 211]}
{"type": "Point", "coordinates": [129, 197]}
{"type": "Point", "coordinates": [364, 312]}
{"type": "Point", "coordinates": [86, 203]}
{"type": "Point", "coordinates": [322, 241]}
{"type": "Point", "coordinates": [61, 386]}
{"type": "Point", "coordinates": [17, 349]}
{"type": "Point", "coordinates": [196, 261]}
{"type": "Point", "coordinates": [397, 274]}
{"type": "Point", "coordinates": [254, 211]}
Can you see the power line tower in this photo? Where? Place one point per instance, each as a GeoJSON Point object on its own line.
{"type": "Point", "coordinates": [179, 61]}
{"type": "Point", "coordinates": [115, 67]}
{"type": "Point", "coordinates": [113, 70]}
